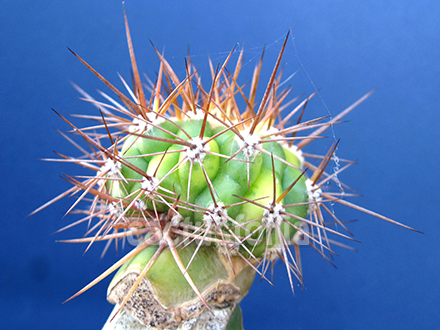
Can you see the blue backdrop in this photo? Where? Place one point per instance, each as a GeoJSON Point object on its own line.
{"type": "Point", "coordinates": [343, 48]}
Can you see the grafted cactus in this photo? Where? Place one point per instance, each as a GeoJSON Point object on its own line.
{"type": "Point", "coordinates": [210, 193]}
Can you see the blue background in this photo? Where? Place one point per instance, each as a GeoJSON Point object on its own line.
{"type": "Point", "coordinates": [347, 48]}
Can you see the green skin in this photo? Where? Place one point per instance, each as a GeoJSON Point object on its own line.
{"type": "Point", "coordinates": [230, 180]}
{"type": "Point", "coordinates": [170, 285]}
{"type": "Point", "coordinates": [236, 320]}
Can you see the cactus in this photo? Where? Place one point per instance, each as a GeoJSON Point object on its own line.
{"type": "Point", "coordinates": [212, 194]}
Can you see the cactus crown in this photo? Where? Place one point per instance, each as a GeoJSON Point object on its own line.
{"type": "Point", "coordinates": [187, 167]}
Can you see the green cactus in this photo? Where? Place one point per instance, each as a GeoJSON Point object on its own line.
{"type": "Point", "coordinates": [212, 194]}
{"type": "Point", "coordinates": [211, 181]}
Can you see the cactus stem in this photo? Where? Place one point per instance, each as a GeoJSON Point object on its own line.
{"type": "Point", "coordinates": [162, 246]}
{"type": "Point", "coordinates": [176, 257]}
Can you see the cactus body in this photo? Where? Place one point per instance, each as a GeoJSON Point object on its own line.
{"type": "Point", "coordinates": [211, 194]}
{"type": "Point", "coordinates": [210, 179]}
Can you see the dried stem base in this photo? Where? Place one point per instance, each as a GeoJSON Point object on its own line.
{"type": "Point", "coordinates": [220, 319]}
